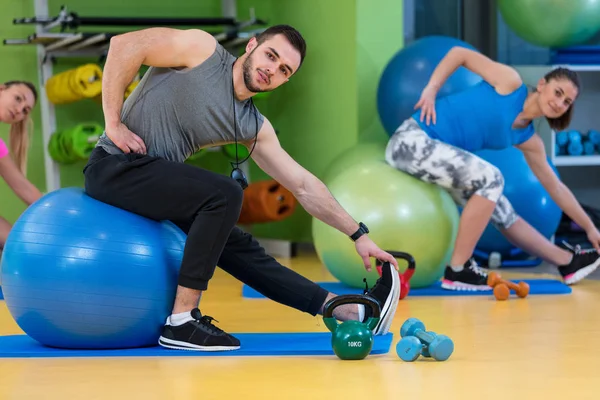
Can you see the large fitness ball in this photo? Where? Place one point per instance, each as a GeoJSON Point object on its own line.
{"type": "Point", "coordinates": [402, 213]}
{"type": "Point", "coordinates": [78, 273]}
{"type": "Point", "coordinates": [527, 196]}
{"type": "Point", "coordinates": [356, 154]}
{"type": "Point", "coordinates": [407, 74]}
{"type": "Point", "coordinates": [556, 23]}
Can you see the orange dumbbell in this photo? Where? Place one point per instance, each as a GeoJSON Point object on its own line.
{"type": "Point", "coordinates": [501, 291]}
{"type": "Point", "coordinates": [500, 287]}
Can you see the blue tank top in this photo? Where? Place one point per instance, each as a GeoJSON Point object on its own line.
{"type": "Point", "coordinates": [479, 118]}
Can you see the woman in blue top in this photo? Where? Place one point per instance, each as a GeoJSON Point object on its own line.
{"type": "Point", "coordinates": [437, 143]}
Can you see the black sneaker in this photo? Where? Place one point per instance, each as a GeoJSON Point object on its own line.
{"type": "Point", "coordinates": [199, 335]}
{"type": "Point", "coordinates": [387, 293]}
{"type": "Point", "coordinates": [584, 262]}
{"type": "Point", "coordinates": [471, 278]}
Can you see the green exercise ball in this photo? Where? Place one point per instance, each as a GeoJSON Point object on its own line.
{"type": "Point", "coordinates": [353, 155]}
{"type": "Point", "coordinates": [230, 150]}
{"type": "Point", "coordinates": [552, 23]}
{"type": "Point", "coordinates": [402, 213]}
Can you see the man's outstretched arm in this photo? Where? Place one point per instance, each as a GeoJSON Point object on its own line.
{"type": "Point", "coordinates": [310, 192]}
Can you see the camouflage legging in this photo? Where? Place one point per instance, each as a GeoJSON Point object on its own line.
{"type": "Point", "coordinates": [461, 173]}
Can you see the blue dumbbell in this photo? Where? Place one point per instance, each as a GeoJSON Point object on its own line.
{"type": "Point", "coordinates": [562, 138]}
{"type": "Point", "coordinates": [439, 347]}
{"type": "Point", "coordinates": [594, 137]}
{"type": "Point", "coordinates": [425, 351]}
{"type": "Point", "coordinates": [410, 347]}
{"type": "Point", "coordinates": [574, 136]}
{"type": "Point", "coordinates": [588, 148]}
{"type": "Point", "coordinates": [575, 148]}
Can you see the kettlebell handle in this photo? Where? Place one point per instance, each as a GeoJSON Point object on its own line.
{"type": "Point", "coordinates": [337, 301]}
{"type": "Point", "coordinates": [405, 256]}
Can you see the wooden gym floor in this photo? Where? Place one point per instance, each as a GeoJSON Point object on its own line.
{"type": "Point", "coordinates": [539, 347]}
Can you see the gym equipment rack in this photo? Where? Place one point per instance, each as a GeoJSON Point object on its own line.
{"type": "Point", "coordinates": [69, 43]}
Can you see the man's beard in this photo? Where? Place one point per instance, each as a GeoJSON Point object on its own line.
{"type": "Point", "coordinates": [247, 69]}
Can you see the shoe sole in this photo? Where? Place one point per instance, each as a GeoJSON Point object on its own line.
{"type": "Point", "coordinates": [582, 273]}
{"type": "Point", "coordinates": [465, 287]}
{"type": "Point", "coordinates": [177, 345]}
{"type": "Point", "coordinates": [391, 303]}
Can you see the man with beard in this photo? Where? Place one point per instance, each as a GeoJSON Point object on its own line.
{"type": "Point", "coordinates": [197, 95]}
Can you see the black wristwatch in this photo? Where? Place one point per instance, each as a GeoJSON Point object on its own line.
{"type": "Point", "coordinates": [362, 229]}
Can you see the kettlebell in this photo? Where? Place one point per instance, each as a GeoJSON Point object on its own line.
{"type": "Point", "coordinates": [405, 277]}
{"type": "Point", "coordinates": [351, 340]}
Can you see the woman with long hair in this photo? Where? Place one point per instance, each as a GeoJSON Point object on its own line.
{"type": "Point", "coordinates": [437, 145]}
{"type": "Point", "coordinates": [17, 98]}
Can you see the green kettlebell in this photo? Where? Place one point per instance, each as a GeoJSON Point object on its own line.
{"type": "Point", "coordinates": [351, 340]}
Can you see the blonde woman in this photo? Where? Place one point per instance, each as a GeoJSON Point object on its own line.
{"type": "Point", "coordinates": [17, 98]}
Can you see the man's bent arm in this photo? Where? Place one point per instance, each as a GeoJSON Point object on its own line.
{"type": "Point", "coordinates": [158, 47]}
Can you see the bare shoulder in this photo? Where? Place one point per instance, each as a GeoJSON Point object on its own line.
{"type": "Point", "coordinates": [197, 45]}
{"type": "Point", "coordinates": [512, 79]}
{"type": "Point", "coordinates": [167, 47]}
{"type": "Point", "coordinates": [267, 132]}
{"type": "Point", "coordinates": [506, 78]}
{"type": "Point", "coordinates": [200, 45]}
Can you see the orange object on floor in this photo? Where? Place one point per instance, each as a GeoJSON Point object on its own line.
{"type": "Point", "coordinates": [494, 280]}
{"type": "Point", "coordinates": [266, 201]}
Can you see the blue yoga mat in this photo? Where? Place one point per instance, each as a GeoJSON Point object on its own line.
{"type": "Point", "coordinates": [1, 296]}
{"type": "Point", "coordinates": [536, 286]}
{"type": "Point", "coordinates": [252, 344]}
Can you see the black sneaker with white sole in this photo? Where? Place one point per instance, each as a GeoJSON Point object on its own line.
{"type": "Point", "coordinates": [387, 293]}
{"type": "Point", "coordinates": [584, 262]}
{"type": "Point", "coordinates": [197, 335]}
{"type": "Point", "coordinates": [471, 278]}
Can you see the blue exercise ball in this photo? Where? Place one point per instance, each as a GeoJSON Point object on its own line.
{"type": "Point", "coordinates": [407, 74]}
{"type": "Point", "coordinates": [528, 197]}
{"type": "Point", "coordinates": [78, 273]}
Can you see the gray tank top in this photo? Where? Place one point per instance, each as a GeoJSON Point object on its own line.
{"type": "Point", "coordinates": [178, 112]}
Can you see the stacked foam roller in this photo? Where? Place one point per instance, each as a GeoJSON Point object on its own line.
{"type": "Point", "coordinates": [576, 143]}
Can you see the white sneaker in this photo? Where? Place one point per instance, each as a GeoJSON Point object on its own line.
{"type": "Point", "coordinates": [387, 292]}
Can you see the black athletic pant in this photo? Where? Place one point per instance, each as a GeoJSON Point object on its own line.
{"type": "Point", "coordinates": [206, 206]}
